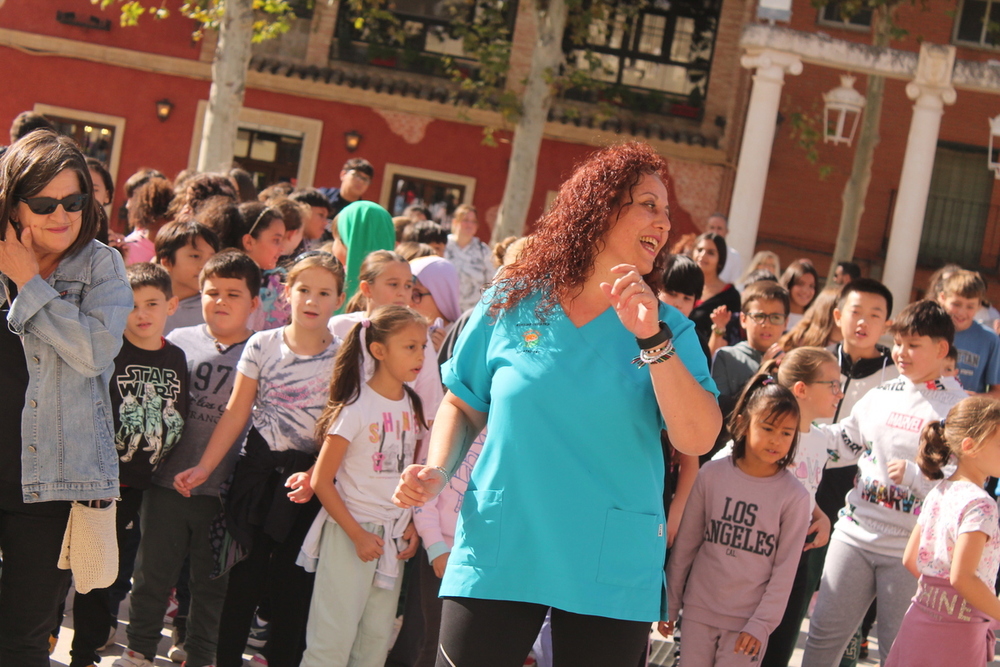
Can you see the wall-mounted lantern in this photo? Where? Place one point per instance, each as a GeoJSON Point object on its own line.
{"type": "Point", "coordinates": [842, 109]}
{"type": "Point", "coordinates": [352, 140]}
{"type": "Point", "coordinates": [164, 108]}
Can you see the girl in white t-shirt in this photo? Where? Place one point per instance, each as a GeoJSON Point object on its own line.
{"type": "Point", "coordinates": [281, 382]}
{"type": "Point", "coordinates": [955, 548]}
{"type": "Point", "coordinates": [385, 279]}
{"type": "Point", "coordinates": [369, 431]}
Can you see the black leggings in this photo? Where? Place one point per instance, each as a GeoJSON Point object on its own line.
{"type": "Point", "coordinates": [31, 585]}
{"type": "Point", "coordinates": [499, 633]}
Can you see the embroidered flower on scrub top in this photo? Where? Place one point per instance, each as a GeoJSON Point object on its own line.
{"type": "Point", "coordinates": [531, 337]}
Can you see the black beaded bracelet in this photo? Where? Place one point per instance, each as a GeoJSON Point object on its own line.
{"type": "Point", "coordinates": [659, 338]}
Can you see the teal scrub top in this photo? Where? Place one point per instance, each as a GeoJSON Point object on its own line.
{"type": "Point", "coordinates": [565, 504]}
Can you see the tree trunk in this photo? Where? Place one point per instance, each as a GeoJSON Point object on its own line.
{"type": "Point", "coordinates": [856, 188]}
{"type": "Point", "coordinates": [535, 101]}
{"type": "Point", "coordinates": [229, 77]}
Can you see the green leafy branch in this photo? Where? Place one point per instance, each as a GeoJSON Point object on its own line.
{"type": "Point", "coordinates": [272, 17]}
{"type": "Point", "coordinates": [807, 133]}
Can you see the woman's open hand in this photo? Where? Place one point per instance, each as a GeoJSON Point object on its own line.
{"type": "Point", "coordinates": [634, 302]}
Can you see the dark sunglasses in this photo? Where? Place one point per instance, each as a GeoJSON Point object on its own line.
{"type": "Point", "coordinates": [47, 205]}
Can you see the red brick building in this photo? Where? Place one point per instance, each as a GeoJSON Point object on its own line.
{"type": "Point", "coordinates": [801, 211]}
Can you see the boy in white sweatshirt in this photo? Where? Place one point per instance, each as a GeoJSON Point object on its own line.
{"type": "Point", "coordinates": [866, 550]}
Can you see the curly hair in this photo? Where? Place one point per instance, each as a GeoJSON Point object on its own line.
{"type": "Point", "coordinates": [569, 236]}
{"type": "Point", "coordinates": [150, 203]}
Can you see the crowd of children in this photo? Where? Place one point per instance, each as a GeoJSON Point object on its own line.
{"type": "Point", "coordinates": [877, 427]}
{"type": "Point", "coordinates": [271, 389]}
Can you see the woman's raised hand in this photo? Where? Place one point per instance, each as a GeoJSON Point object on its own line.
{"type": "Point", "coordinates": [634, 302]}
{"type": "Point", "coordinates": [417, 485]}
{"type": "Point", "coordinates": [17, 259]}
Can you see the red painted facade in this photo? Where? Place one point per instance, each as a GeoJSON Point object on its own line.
{"type": "Point", "coordinates": [96, 87]}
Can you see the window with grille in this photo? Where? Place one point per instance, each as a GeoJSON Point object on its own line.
{"type": "Point", "coordinates": [429, 34]}
{"type": "Point", "coordinates": [959, 217]}
{"type": "Point", "coordinates": [663, 46]}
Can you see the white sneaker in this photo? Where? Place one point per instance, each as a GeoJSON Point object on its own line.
{"type": "Point", "coordinates": [131, 659]}
{"type": "Point", "coordinates": [176, 653]}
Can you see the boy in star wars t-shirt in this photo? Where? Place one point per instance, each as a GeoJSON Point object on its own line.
{"type": "Point", "coordinates": [149, 402]}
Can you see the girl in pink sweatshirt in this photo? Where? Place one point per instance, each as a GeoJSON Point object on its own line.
{"type": "Point", "coordinates": [744, 526]}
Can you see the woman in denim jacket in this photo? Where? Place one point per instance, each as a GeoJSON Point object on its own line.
{"type": "Point", "coordinates": [63, 305]}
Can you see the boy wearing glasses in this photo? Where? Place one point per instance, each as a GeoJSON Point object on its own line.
{"type": "Point", "coordinates": [763, 313]}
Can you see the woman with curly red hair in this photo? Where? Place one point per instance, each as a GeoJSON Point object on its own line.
{"type": "Point", "coordinates": [575, 367]}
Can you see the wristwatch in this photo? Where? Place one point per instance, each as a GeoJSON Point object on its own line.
{"type": "Point", "coordinates": [657, 339]}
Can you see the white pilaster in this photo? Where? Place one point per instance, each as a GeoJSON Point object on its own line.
{"type": "Point", "coordinates": [930, 90]}
{"type": "Point", "coordinates": [755, 150]}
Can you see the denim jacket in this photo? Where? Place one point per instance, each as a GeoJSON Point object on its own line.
{"type": "Point", "coordinates": [71, 326]}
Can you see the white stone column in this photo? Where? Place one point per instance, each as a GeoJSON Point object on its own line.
{"type": "Point", "coordinates": [755, 150]}
{"type": "Point", "coordinates": [930, 90]}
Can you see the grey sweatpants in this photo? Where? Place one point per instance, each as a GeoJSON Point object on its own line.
{"type": "Point", "coordinates": [174, 527]}
{"type": "Point", "coordinates": [852, 578]}
{"type": "Point", "coordinates": [708, 646]}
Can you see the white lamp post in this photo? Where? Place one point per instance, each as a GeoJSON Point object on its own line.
{"type": "Point", "coordinates": [994, 134]}
{"type": "Point", "coordinates": [842, 108]}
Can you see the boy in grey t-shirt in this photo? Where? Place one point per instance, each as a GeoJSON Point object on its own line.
{"type": "Point", "coordinates": [175, 527]}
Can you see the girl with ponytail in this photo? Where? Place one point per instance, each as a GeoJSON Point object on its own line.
{"type": "Point", "coordinates": [812, 375]}
{"type": "Point", "coordinates": [954, 550]}
{"type": "Point", "coordinates": [368, 433]}
{"type": "Point", "coordinates": [741, 535]}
